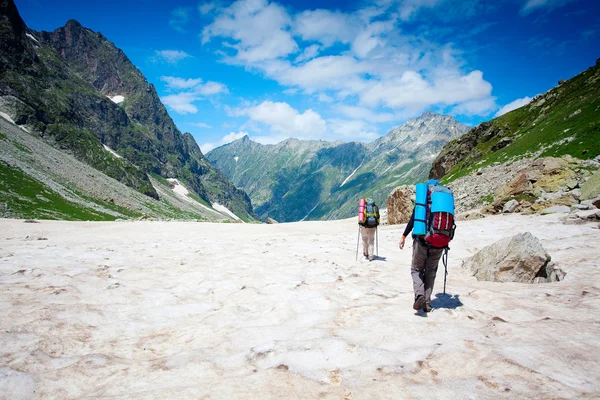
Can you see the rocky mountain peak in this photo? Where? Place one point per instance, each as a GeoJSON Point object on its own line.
{"type": "Point", "coordinates": [416, 132]}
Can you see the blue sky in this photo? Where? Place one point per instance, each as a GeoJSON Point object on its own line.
{"type": "Point", "coordinates": [337, 70]}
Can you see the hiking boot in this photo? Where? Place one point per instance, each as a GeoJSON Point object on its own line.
{"type": "Point", "coordinates": [427, 307]}
{"type": "Point", "coordinates": [419, 302]}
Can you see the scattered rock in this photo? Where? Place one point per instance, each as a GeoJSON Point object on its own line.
{"type": "Point", "coordinates": [556, 210]}
{"type": "Point", "coordinates": [502, 143]}
{"type": "Point", "coordinates": [580, 207]}
{"type": "Point", "coordinates": [520, 258]}
{"type": "Point", "coordinates": [510, 206]}
{"type": "Point", "coordinates": [588, 214]}
{"type": "Point", "coordinates": [400, 204]}
{"type": "Point", "coordinates": [520, 184]}
{"type": "Point", "coordinates": [271, 221]}
{"type": "Point", "coordinates": [560, 82]}
{"type": "Point", "coordinates": [469, 215]}
{"type": "Point", "coordinates": [31, 221]}
{"type": "Point", "coordinates": [590, 204]}
{"type": "Point", "coordinates": [591, 188]}
{"type": "Point", "coordinates": [574, 114]}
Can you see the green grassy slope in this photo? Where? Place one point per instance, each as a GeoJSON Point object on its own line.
{"type": "Point", "coordinates": [565, 120]}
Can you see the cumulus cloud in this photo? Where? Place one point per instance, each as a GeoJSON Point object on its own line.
{"type": "Point", "coordinates": [476, 107]}
{"type": "Point", "coordinates": [413, 90]}
{"type": "Point", "coordinates": [324, 98]}
{"type": "Point", "coordinates": [172, 56]}
{"type": "Point", "coordinates": [230, 137]}
{"type": "Point", "coordinates": [210, 88]}
{"type": "Point", "coordinates": [324, 26]}
{"type": "Point", "coordinates": [363, 114]}
{"type": "Point", "coordinates": [309, 52]}
{"type": "Point", "coordinates": [180, 83]}
{"type": "Point", "coordinates": [283, 119]}
{"type": "Point", "coordinates": [360, 58]}
{"type": "Point", "coordinates": [350, 130]}
{"type": "Point", "coordinates": [256, 29]}
{"type": "Point", "coordinates": [181, 103]}
{"type": "Point", "coordinates": [190, 90]}
{"type": "Point", "coordinates": [513, 105]}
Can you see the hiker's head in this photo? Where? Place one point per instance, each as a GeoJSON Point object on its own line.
{"type": "Point", "coordinates": [432, 182]}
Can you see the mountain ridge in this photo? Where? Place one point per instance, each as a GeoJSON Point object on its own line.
{"type": "Point", "coordinates": [77, 91]}
{"type": "Point", "coordinates": [296, 180]}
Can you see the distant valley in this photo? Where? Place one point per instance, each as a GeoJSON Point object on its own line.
{"type": "Point", "coordinates": [316, 180]}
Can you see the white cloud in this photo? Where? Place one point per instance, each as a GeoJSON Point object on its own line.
{"type": "Point", "coordinates": [211, 88]}
{"type": "Point", "coordinates": [328, 72]}
{"type": "Point", "coordinates": [309, 52]}
{"type": "Point", "coordinates": [325, 98]}
{"type": "Point", "coordinates": [180, 17]}
{"type": "Point", "coordinates": [325, 26]}
{"type": "Point", "coordinates": [230, 137]}
{"type": "Point", "coordinates": [351, 130]}
{"type": "Point", "coordinates": [359, 58]}
{"type": "Point", "coordinates": [476, 107]}
{"type": "Point", "coordinates": [193, 90]}
{"type": "Point", "coordinates": [371, 37]}
{"type": "Point", "coordinates": [532, 5]}
{"type": "Point", "coordinates": [172, 56]}
{"type": "Point", "coordinates": [259, 30]}
{"type": "Point", "coordinates": [363, 114]}
{"type": "Point", "coordinates": [181, 103]}
{"type": "Point", "coordinates": [180, 83]}
{"type": "Point", "coordinates": [413, 90]}
{"type": "Point", "coordinates": [200, 124]}
{"type": "Point", "coordinates": [513, 105]}
{"type": "Point", "coordinates": [285, 120]}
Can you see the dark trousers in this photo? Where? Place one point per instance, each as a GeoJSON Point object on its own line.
{"type": "Point", "coordinates": [424, 268]}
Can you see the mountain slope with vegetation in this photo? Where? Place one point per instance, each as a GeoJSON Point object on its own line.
{"type": "Point", "coordinates": [563, 121]}
{"type": "Point", "coordinates": [76, 90]}
{"type": "Point", "coordinates": [315, 180]}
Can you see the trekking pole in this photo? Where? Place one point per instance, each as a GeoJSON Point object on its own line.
{"type": "Point", "coordinates": [445, 261]}
{"type": "Point", "coordinates": [377, 239]}
{"type": "Point", "coordinates": [357, 240]}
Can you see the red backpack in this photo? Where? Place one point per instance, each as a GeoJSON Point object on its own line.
{"type": "Point", "coordinates": [440, 216]}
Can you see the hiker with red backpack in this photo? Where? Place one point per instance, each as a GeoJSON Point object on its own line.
{"type": "Point", "coordinates": [432, 224]}
{"type": "Point", "coordinates": [368, 219]}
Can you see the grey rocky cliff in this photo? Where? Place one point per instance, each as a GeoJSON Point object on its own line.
{"type": "Point", "coordinates": [64, 98]}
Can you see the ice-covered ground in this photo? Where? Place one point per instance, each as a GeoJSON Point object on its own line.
{"type": "Point", "coordinates": [182, 310]}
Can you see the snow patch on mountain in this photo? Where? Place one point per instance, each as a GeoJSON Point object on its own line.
{"type": "Point", "coordinates": [223, 209]}
{"type": "Point", "coordinates": [111, 151]}
{"type": "Point", "coordinates": [350, 176]}
{"type": "Point", "coordinates": [117, 99]}
{"type": "Point", "coordinates": [179, 188]}
{"type": "Point", "coordinates": [30, 36]}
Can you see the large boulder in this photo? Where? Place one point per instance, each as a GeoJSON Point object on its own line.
{"type": "Point", "coordinates": [591, 188]}
{"type": "Point", "coordinates": [519, 185]}
{"type": "Point", "coordinates": [400, 204]}
{"type": "Point", "coordinates": [520, 258]}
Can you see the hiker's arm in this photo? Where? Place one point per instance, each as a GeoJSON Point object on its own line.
{"type": "Point", "coordinates": [409, 227]}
